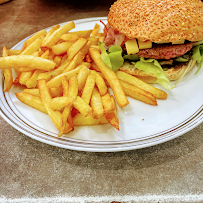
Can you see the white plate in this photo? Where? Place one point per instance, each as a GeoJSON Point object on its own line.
{"type": "Point", "coordinates": [141, 125]}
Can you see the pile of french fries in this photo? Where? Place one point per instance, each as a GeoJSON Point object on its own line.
{"type": "Point", "coordinates": [64, 76]}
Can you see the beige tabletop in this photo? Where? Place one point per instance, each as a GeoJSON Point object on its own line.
{"type": "Point", "coordinates": [32, 171]}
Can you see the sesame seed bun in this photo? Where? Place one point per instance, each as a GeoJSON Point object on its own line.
{"type": "Point", "coordinates": [158, 20]}
{"type": "Point", "coordinates": [172, 73]}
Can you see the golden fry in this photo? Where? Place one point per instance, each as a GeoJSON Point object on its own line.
{"type": "Point", "coordinates": [61, 48]}
{"type": "Point", "coordinates": [32, 101]}
{"type": "Point", "coordinates": [100, 83]}
{"type": "Point", "coordinates": [80, 120]}
{"type": "Point", "coordinates": [26, 61]}
{"type": "Point", "coordinates": [139, 94]}
{"type": "Point", "coordinates": [96, 104]}
{"type": "Point", "coordinates": [7, 73]}
{"type": "Point", "coordinates": [111, 116]}
{"type": "Point", "coordinates": [83, 33]}
{"type": "Point", "coordinates": [82, 76]}
{"type": "Point", "coordinates": [88, 88]}
{"type": "Point", "coordinates": [75, 48]}
{"type": "Point", "coordinates": [33, 47]}
{"type": "Point", "coordinates": [69, 37]}
{"type": "Point", "coordinates": [95, 30]}
{"type": "Point", "coordinates": [107, 103]}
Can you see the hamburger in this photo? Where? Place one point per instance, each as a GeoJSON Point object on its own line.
{"type": "Point", "coordinates": [161, 40]}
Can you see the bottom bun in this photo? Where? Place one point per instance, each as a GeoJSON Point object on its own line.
{"type": "Point", "coordinates": [172, 73]}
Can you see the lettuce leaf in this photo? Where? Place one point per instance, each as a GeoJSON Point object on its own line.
{"type": "Point", "coordinates": [153, 66]}
{"type": "Point", "coordinates": [113, 58]}
{"type": "Point", "coordinates": [198, 55]}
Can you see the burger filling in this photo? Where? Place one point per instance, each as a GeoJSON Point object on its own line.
{"type": "Point", "coordinates": [150, 55]}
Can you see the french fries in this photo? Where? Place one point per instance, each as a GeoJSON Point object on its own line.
{"type": "Point", "coordinates": [159, 94]}
{"type": "Point", "coordinates": [55, 36]}
{"type": "Point", "coordinates": [7, 73]}
{"type": "Point", "coordinates": [65, 78]}
{"type": "Point", "coordinates": [110, 77]}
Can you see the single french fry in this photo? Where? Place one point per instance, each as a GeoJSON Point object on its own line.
{"type": "Point", "coordinates": [73, 89]}
{"type": "Point", "coordinates": [83, 33]}
{"type": "Point", "coordinates": [81, 120]}
{"type": "Point", "coordinates": [32, 81]}
{"type": "Point", "coordinates": [96, 104]}
{"type": "Point", "coordinates": [33, 38]}
{"type": "Point", "coordinates": [100, 83]}
{"type": "Point", "coordinates": [51, 31]}
{"type": "Point", "coordinates": [72, 94]}
{"type": "Point", "coordinates": [110, 77]}
{"type": "Point", "coordinates": [7, 73]}
{"type": "Point", "coordinates": [88, 88]}
{"type": "Point", "coordinates": [77, 60]}
{"type": "Point", "coordinates": [34, 92]}
{"type": "Point", "coordinates": [26, 61]}
{"type": "Point", "coordinates": [55, 92]}
{"type": "Point", "coordinates": [111, 116]}
{"type": "Point", "coordinates": [138, 93]}
{"type": "Point", "coordinates": [65, 86]}
{"type": "Point", "coordinates": [57, 81]}
{"type": "Point", "coordinates": [32, 101]}
{"type": "Point", "coordinates": [159, 94]}
{"type": "Point", "coordinates": [62, 48]}
{"type": "Point", "coordinates": [82, 76]}
{"type": "Point", "coordinates": [69, 37]}
{"type": "Point", "coordinates": [64, 120]}
{"type": "Point", "coordinates": [107, 103]}
{"type": "Point", "coordinates": [13, 52]}
{"type": "Point", "coordinates": [95, 30]}
{"type": "Point", "coordinates": [75, 48]}
{"type": "Point", "coordinates": [82, 106]}
{"type": "Point", "coordinates": [55, 36]}
{"type": "Point", "coordinates": [59, 103]}
{"type": "Point", "coordinates": [33, 47]}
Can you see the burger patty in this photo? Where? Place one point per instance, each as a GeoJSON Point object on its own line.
{"type": "Point", "coordinates": [165, 51]}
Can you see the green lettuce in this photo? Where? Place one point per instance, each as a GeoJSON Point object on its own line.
{"type": "Point", "coordinates": [197, 52]}
{"type": "Point", "coordinates": [113, 57]}
{"type": "Point", "coordinates": [153, 66]}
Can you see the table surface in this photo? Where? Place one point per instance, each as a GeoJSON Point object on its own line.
{"type": "Point", "coordinates": [31, 171]}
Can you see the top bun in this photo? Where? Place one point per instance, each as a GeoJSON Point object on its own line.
{"type": "Point", "coordinates": [158, 20]}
